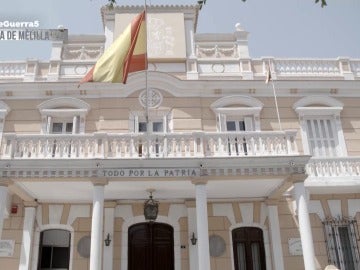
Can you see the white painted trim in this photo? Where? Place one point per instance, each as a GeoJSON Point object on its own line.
{"type": "Point", "coordinates": [250, 107]}
{"type": "Point", "coordinates": [3, 203]}
{"type": "Point", "coordinates": [315, 207]}
{"type": "Point", "coordinates": [55, 212]}
{"type": "Point", "coordinates": [317, 99]}
{"type": "Point", "coordinates": [275, 237]}
{"type": "Point", "coordinates": [238, 111]}
{"type": "Point", "coordinates": [108, 251]}
{"type": "Point", "coordinates": [335, 208]}
{"type": "Point", "coordinates": [224, 209]}
{"type": "Point", "coordinates": [63, 107]}
{"type": "Point", "coordinates": [161, 115]}
{"type": "Point", "coordinates": [27, 238]}
{"type": "Point", "coordinates": [63, 113]}
{"type": "Point", "coordinates": [64, 102]}
{"type": "Point", "coordinates": [332, 108]}
{"type": "Point", "coordinates": [78, 210]}
{"type": "Point", "coordinates": [353, 206]}
{"type": "Point", "coordinates": [4, 109]}
{"type": "Point", "coordinates": [247, 212]}
{"type": "Point", "coordinates": [236, 100]}
{"type": "Point", "coordinates": [192, 228]}
{"type": "Point", "coordinates": [318, 111]}
{"type": "Point", "coordinates": [138, 219]}
{"type": "Point", "coordinates": [266, 242]}
{"type": "Point", "coordinates": [36, 242]}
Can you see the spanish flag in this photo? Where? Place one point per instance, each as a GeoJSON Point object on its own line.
{"type": "Point", "coordinates": [126, 54]}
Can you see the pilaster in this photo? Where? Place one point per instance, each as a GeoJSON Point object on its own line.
{"type": "Point", "coordinates": [27, 237]}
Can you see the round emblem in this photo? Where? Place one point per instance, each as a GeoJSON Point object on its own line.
{"type": "Point", "coordinates": [153, 96]}
{"type": "Point", "coordinates": [217, 245]}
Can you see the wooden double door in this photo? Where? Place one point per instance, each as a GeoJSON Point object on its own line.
{"type": "Point", "coordinates": [151, 246]}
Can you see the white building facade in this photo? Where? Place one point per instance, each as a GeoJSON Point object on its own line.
{"type": "Point", "coordinates": [237, 186]}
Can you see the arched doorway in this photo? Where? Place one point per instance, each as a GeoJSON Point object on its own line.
{"type": "Point", "coordinates": [54, 249]}
{"type": "Point", "coordinates": [248, 248]}
{"type": "Point", "coordinates": [151, 246]}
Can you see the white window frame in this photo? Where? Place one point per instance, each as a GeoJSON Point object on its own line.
{"type": "Point", "coordinates": [36, 242]}
{"type": "Point", "coordinates": [240, 108]}
{"type": "Point", "coordinates": [164, 116]}
{"type": "Point", "coordinates": [321, 107]}
{"type": "Point", "coordinates": [64, 109]}
{"type": "Point", "coordinates": [248, 122]}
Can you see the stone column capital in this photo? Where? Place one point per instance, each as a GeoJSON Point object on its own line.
{"type": "Point", "coordinates": [201, 180]}
{"type": "Point", "coordinates": [100, 181]}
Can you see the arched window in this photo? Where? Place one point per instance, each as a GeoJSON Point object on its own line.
{"type": "Point", "coordinates": [63, 115]}
{"type": "Point", "coordinates": [237, 113]}
{"type": "Point", "coordinates": [321, 128]}
{"type": "Point", "coordinates": [248, 248]}
{"type": "Point", "coordinates": [54, 250]}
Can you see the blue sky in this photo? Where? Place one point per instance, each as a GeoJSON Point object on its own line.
{"type": "Point", "coordinates": [279, 28]}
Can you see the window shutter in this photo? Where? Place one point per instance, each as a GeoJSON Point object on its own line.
{"type": "Point", "coordinates": [221, 122]}
{"type": "Point", "coordinates": [48, 124]}
{"type": "Point", "coordinates": [341, 242]}
{"type": "Point", "coordinates": [248, 123]}
{"type": "Point", "coordinates": [135, 124]}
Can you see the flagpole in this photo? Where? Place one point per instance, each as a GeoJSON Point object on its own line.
{"type": "Point", "coordinates": [147, 89]}
{"type": "Point", "coordinates": [275, 97]}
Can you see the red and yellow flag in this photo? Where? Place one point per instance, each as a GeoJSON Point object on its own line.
{"type": "Point", "coordinates": [126, 54]}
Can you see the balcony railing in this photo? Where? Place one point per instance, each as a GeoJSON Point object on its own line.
{"type": "Point", "coordinates": [334, 167]}
{"type": "Point", "coordinates": [129, 145]}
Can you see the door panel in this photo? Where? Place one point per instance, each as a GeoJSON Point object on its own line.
{"type": "Point", "coordinates": [249, 252]}
{"type": "Point", "coordinates": [151, 247]}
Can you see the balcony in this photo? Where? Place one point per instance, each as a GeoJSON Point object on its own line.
{"type": "Point", "coordinates": [135, 146]}
{"type": "Point", "coordinates": [334, 167]}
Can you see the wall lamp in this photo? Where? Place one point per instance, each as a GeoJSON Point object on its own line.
{"type": "Point", "coordinates": [193, 239]}
{"type": "Point", "coordinates": [107, 240]}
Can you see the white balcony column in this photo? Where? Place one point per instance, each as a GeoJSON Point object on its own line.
{"type": "Point", "coordinates": [97, 224]}
{"type": "Point", "coordinates": [193, 252]}
{"type": "Point", "coordinates": [202, 225]}
{"type": "Point", "coordinates": [75, 124]}
{"type": "Point", "coordinates": [48, 124]}
{"type": "Point", "coordinates": [304, 226]}
{"type": "Point", "coordinates": [278, 260]}
{"type": "Point", "coordinates": [27, 236]}
{"type": "Point", "coordinates": [3, 202]}
{"type": "Point", "coordinates": [109, 219]}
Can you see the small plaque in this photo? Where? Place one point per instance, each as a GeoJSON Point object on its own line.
{"type": "Point", "coordinates": [295, 248]}
{"type": "Point", "coordinates": [7, 248]}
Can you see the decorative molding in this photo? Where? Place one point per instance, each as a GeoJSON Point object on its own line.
{"type": "Point", "coordinates": [317, 99]}
{"type": "Point", "coordinates": [66, 102]}
{"type": "Point", "coordinates": [153, 96]}
{"type": "Point", "coordinates": [237, 100]}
